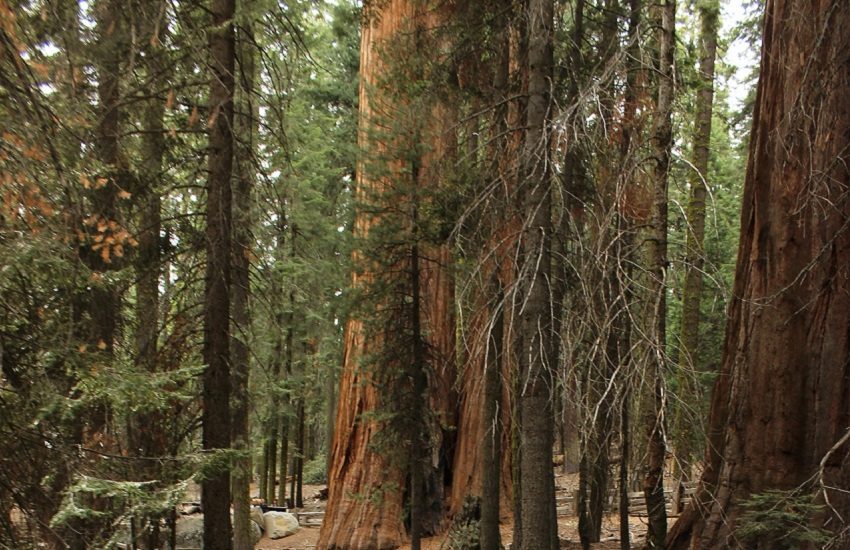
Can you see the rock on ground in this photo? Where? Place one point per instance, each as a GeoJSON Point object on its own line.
{"type": "Point", "coordinates": [190, 532]}
{"type": "Point", "coordinates": [279, 524]}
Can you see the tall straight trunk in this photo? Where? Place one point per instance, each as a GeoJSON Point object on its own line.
{"type": "Point", "coordinates": [104, 297]}
{"type": "Point", "coordinates": [277, 426]}
{"type": "Point", "coordinates": [493, 413]}
{"type": "Point", "coordinates": [296, 484]}
{"type": "Point", "coordinates": [779, 414]}
{"type": "Point", "coordinates": [623, 469]}
{"type": "Point", "coordinates": [215, 488]}
{"type": "Point", "coordinates": [491, 476]}
{"type": "Point", "coordinates": [539, 532]}
{"type": "Point", "coordinates": [263, 470]}
{"type": "Point", "coordinates": [418, 448]}
{"type": "Point", "coordinates": [626, 263]}
{"type": "Point", "coordinates": [516, 344]}
{"type": "Point", "coordinates": [246, 122]}
{"type": "Point", "coordinates": [276, 420]}
{"type": "Point", "coordinates": [709, 12]}
{"type": "Point", "coordinates": [103, 301]}
{"type": "Point", "coordinates": [662, 142]}
{"type": "Point", "coordinates": [330, 413]}
{"type": "Point", "coordinates": [364, 511]}
{"type": "Point", "coordinates": [147, 433]}
{"type": "Point", "coordinates": [289, 426]}
{"type": "Point", "coordinates": [283, 462]}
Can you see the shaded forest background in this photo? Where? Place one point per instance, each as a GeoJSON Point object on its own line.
{"type": "Point", "coordinates": [413, 250]}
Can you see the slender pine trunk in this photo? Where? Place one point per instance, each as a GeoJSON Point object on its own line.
{"type": "Point", "coordinates": [695, 253]}
{"type": "Point", "coordinates": [240, 292]}
{"type": "Point", "coordinates": [662, 142]}
{"type": "Point", "coordinates": [536, 323]}
{"type": "Point", "coordinates": [215, 488]}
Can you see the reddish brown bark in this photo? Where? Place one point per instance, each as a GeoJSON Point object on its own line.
{"type": "Point", "coordinates": [472, 426]}
{"type": "Point", "coordinates": [365, 502]}
{"type": "Point", "coordinates": [780, 405]}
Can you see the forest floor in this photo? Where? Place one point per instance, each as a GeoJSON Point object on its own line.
{"type": "Point", "coordinates": [306, 537]}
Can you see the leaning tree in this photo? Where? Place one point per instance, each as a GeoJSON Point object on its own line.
{"type": "Point", "coordinates": [778, 438]}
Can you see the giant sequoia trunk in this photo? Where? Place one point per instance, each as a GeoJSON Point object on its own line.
{"type": "Point", "coordinates": [780, 415]}
{"type": "Point", "coordinates": [482, 459]}
{"type": "Point", "coordinates": [366, 498]}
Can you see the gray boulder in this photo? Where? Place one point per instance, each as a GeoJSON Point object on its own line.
{"type": "Point", "coordinates": [257, 517]}
{"type": "Point", "coordinates": [279, 524]}
{"type": "Point", "coordinates": [190, 533]}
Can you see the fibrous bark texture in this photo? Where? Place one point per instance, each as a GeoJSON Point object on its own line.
{"type": "Point", "coordinates": [779, 412]}
{"type": "Point", "coordinates": [366, 499]}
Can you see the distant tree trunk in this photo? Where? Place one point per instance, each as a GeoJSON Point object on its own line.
{"type": "Point", "coordinates": [654, 417]}
{"type": "Point", "coordinates": [625, 255]}
{"type": "Point", "coordinates": [296, 484]}
{"type": "Point", "coordinates": [104, 305]}
{"type": "Point", "coordinates": [215, 488]}
{"type": "Point", "coordinates": [276, 420]}
{"type": "Point", "coordinates": [709, 12]}
{"type": "Point", "coordinates": [263, 470]}
{"type": "Point", "coordinates": [286, 422]}
{"type": "Point", "coordinates": [491, 476]}
{"type": "Point", "coordinates": [283, 462]}
{"type": "Point", "coordinates": [240, 290]}
{"type": "Point", "coordinates": [147, 431]}
{"type": "Point", "coordinates": [330, 413]}
{"type": "Point", "coordinates": [97, 315]}
{"type": "Point", "coordinates": [779, 414]}
{"type": "Point", "coordinates": [536, 323]}
{"type": "Point", "coordinates": [494, 409]}
{"type": "Point", "coordinates": [277, 423]}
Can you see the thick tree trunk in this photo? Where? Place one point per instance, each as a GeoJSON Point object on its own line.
{"type": "Point", "coordinates": [472, 457]}
{"type": "Point", "coordinates": [240, 292]}
{"type": "Point", "coordinates": [365, 489]}
{"type": "Point", "coordinates": [779, 410]}
{"type": "Point", "coordinates": [215, 488]}
{"type": "Point", "coordinates": [654, 417]}
{"type": "Point", "coordinates": [536, 323]}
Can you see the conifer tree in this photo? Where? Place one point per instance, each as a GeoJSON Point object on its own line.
{"type": "Point", "coordinates": [216, 379]}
